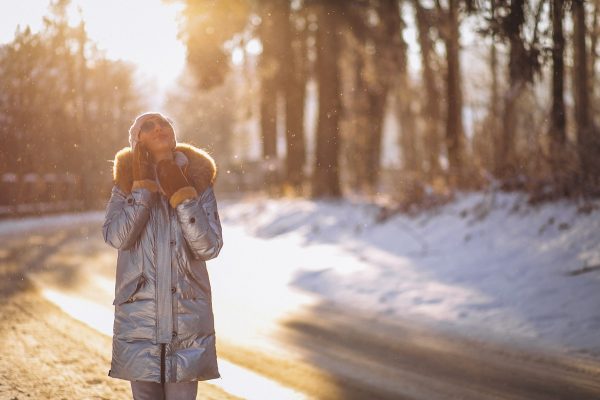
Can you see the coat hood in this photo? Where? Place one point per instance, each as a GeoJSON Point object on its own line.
{"type": "Point", "coordinates": [201, 168]}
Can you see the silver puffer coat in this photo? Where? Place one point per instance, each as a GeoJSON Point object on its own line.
{"type": "Point", "coordinates": [164, 326]}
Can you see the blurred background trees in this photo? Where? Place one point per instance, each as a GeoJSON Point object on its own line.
{"type": "Point", "coordinates": [62, 106]}
{"type": "Point", "coordinates": [405, 98]}
{"type": "Point", "coordinates": [528, 107]}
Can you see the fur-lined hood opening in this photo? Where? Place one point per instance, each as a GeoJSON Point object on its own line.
{"type": "Point", "coordinates": [201, 169]}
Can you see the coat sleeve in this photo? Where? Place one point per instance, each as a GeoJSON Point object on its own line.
{"type": "Point", "coordinates": [127, 215]}
{"type": "Point", "coordinates": [201, 226]}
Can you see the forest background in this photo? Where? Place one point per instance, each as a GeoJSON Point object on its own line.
{"type": "Point", "coordinates": [326, 99]}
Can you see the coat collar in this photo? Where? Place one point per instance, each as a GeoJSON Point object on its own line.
{"type": "Point", "coordinates": [197, 164]}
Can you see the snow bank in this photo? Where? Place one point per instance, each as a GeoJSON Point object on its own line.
{"type": "Point", "coordinates": [486, 264]}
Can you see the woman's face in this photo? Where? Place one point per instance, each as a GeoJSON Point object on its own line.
{"type": "Point", "coordinates": [157, 135]}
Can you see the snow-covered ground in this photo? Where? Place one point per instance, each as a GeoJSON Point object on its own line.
{"type": "Point", "coordinates": [486, 265]}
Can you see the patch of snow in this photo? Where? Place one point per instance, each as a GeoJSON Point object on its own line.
{"type": "Point", "coordinates": [485, 263]}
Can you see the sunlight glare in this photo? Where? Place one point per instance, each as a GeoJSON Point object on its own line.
{"type": "Point", "coordinates": [92, 314]}
{"type": "Point", "coordinates": [243, 382]}
{"type": "Point", "coordinates": [254, 47]}
{"type": "Point", "coordinates": [143, 32]}
{"type": "Point", "coordinates": [237, 56]}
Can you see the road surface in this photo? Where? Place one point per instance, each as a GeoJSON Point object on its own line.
{"type": "Point", "coordinates": [302, 347]}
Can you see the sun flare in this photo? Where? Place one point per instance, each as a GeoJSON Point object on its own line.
{"type": "Point", "coordinates": [143, 32]}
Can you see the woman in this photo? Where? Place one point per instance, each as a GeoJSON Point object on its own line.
{"type": "Point", "coordinates": [162, 218]}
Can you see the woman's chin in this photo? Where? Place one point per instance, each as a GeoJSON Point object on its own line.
{"type": "Point", "coordinates": [162, 146]}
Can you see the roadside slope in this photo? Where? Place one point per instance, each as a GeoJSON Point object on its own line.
{"type": "Point", "coordinates": [46, 354]}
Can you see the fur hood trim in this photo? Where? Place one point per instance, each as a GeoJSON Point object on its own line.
{"type": "Point", "coordinates": [201, 168]}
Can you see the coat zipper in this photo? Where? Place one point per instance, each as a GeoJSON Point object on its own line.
{"type": "Point", "coordinates": [162, 363]}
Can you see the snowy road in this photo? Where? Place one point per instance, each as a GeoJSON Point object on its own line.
{"type": "Point", "coordinates": [298, 343]}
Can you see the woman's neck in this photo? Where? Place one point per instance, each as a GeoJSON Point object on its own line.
{"type": "Point", "coordinates": [166, 155]}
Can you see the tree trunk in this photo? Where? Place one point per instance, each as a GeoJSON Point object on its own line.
{"type": "Point", "coordinates": [325, 182]}
{"type": "Point", "coordinates": [270, 70]}
{"type": "Point", "coordinates": [388, 58]}
{"type": "Point", "coordinates": [409, 139]}
{"type": "Point", "coordinates": [405, 113]}
{"type": "Point", "coordinates": [432, 114]}
{"type": "Point", "coordinates": [593, 55]}
{"type": "Point", "coordinates": [557, 129]}
{"type": "Point", "coordinates": [585, 132]}
{"type": "Point", "coordinates": [377, 103]}
{"type": "Point", "coordinates": [454, 125]}
{"type": "Point", "coordinates": [90, 195]}
{"type": "Point", "coordinates": [505, 159]}
{"type": "Point", "coordinates": [409, 136]}
{"type": "Point", "coordinates": [494, 136]}
{"type": "Point", "coordinates": [358, 140]}
{"type": "Point", "coordinates": [295, 92]}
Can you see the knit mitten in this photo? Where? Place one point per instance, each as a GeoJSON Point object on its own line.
{"type": "Point", "coordinates": [176, 186]}
{"type": "Point", "coordinates": [143, 170]}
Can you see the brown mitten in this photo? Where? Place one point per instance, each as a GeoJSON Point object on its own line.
{"type": "Point", "coordinates": [142, 164]}
{"type": "Point", "coordinates": [143, 170]}
{"type": "Point", "coordinates": [176, 186]}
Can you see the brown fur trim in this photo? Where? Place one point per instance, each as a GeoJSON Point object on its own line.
{"type": "Point", "coordinates": [186, 192]}
{"type": "Point", "coordinates": [122, 170]}
{"type": "Point", "coordinates": [201, 170]}
{"type": "Point", "coordinates": [146, 183]}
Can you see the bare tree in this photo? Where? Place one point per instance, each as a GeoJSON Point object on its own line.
{"type": "Point", "coordinates": [455, 137]}
{"type": "Point", "coordinates": [295, 67]}
{"type": "Point", "coordinates": [587, 141]}
{"type": "Point", "coordinates": [273, 32]}
{"type": "Point", "coordinates": [325, 179]}
{"type": "Point", "coordinates": [406, 100]}
{"type": "Point", "coordinates": [425, 19]}
{"type": "Point", "coordinates": [557, 128]}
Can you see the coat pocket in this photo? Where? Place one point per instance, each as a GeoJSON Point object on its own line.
{"type": "Point", "coordinates": [200, 276]}
{"type": "Point", "coordinates": [129, 290]}
{"type": "Point", "coordinates": [197, 280]}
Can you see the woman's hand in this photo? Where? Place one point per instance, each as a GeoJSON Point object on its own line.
{"type": "Point", "coordinates": [142, 164]}
{"type": "Point", "coordinates": [174, 183]}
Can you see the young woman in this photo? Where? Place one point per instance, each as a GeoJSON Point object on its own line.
{"type": "Point", "coordinates": [162, 218]}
